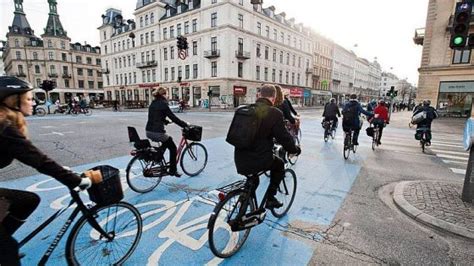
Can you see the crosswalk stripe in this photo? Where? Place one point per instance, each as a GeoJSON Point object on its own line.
{"type": "Point", "coordinates": [458, 171]}
{"type": "Point", "coordinates": [447, 145]}
{"type": "Point", "coordinates": [445, 142]}
{"type": "Point", "coordinates": [452, 157]}
{"type": "Point", "coordinates": [449, 152]}
{"type": "Point", "coordinates": [455, 162]}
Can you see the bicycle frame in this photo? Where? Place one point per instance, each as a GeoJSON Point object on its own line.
{"type": "Point", "coordinates": [79, 208]}
{"type": "Point", "coordinates": [182, 144]}
{"type": "Point", "coordinates": [250, 187]}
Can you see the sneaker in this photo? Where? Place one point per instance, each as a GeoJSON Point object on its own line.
{"type": "Point", "coordinates": [273, 203]}
{"type": "Point", "coordinates": [356, 143]}
{"type": "Point", "coordinates": [175, 173]}
{"type": "Point", "coordinates": [379, 143]}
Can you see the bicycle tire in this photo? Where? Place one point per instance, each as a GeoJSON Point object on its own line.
{"type": "Point", "coordinates": [286, 193]}
{"type": "Point", "coordinates": [346, 147]}
{"type": "Point", "coordinates": [74, 112]}
{"type": "Point", "coordinates": [333, 134]}
{"type": "Point", "coordinates": [198, 151]}
{"type": "Point", "coordinates": [40, 111]}
{"type": "Point", "coordinates": [326, 138]}
{"type": "Point", "coordinates": [87, 112]}
{"type": "Point", "coordinates": [135, 181]}
{"type": "Point", "coordinates": [219, 220]}
{"type": "Point", "coordinates": [291, 160]}
{"type": "Point", "coordinates": [96, 246]}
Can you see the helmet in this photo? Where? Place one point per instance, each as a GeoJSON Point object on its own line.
{"type": "Point", "coordinates": [12, 85]}
{"type": "Point", "coordinates": [353, 96]}
{"type": "Point", "coordinates": [426, 102]}
{"type": "Point", "coordinates": [333, 100]}
{"type": "Point", "coordinates": [381, 101]}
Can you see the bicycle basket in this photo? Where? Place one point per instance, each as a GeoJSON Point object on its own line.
{"type": "Point", "coordinates": [370, 131]}
{"type": "Point", "coordinates": [108, 191]}
{"type": "Point", "coordinates": [193, 133]}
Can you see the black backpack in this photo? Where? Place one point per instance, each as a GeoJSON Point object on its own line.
{"type": "Point", "coordinates": [244, 127]}
{"type": "Point", "coordinates": [349, 115]}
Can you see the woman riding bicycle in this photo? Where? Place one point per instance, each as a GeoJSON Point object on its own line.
{"type": "Point", "coordinates": [380, 118]}
{"type": "Point", "coordinates": [16, 102]}
{"type": "Point", "coordinates": [155, 127]}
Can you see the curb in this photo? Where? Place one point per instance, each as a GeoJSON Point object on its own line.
{"type": "Point", "coordinates": [424, 218]}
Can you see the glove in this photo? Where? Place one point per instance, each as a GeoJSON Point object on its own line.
{"type": "Point", "coordinates": [85, 183]}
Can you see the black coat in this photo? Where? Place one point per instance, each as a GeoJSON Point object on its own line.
{"type": "Point", "coordinates": [430, 115]}
{"type": "Point", "coordinates": [157, 113]}
{"type": "Point", "coordinates": [260, 157]}
{"type": "Point", "coordinates": [286, 110]}
{"type": "Point", "coordinates": [331, 110]}
{"type": "Point", "coordinates": [14, 146]}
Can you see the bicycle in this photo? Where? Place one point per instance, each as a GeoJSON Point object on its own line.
{"type": "Point", "coordinates": [423, 137]}
{"type": "Point", "coordinates": [76, 110]}
{"type": "Point", "coordinates": [294, 130]}
{"type": "Point", "coordinates": [348, 145]}
{"type": "Point", "coordinates": [95, 235]}
{"type": "Point", "coordinates": [238, 211]}
{"type": "Point", "coordinates": [148, 165]}
{"type": "Point", "coordinates": [40, 111]}
{"type": "Point", "coordinates": [329, 131]}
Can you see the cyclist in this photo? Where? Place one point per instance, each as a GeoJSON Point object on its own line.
{"type": "Point", "coordinates": [16, 102]}
{"type": "Point", "coordinates": [260, 156]}
{"type": "Point", "coordinates": [155, 127]}
{"type": "Point", "coordinates": [426, 123]}
{"type": "Point", "coordinates": [331, 113]}
{"type": "Point", "coordinates": [351, 120]}
{"type": "Point", "coordinates": [285, 106]}
{"type": "Point", "coordinates": [380, 118]}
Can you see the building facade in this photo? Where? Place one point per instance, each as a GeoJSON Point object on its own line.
{"type": "Point", "coordinates": [446, 76]}
{"type": "Point", "coordinates": [74, 67]}
{"type": "Point", "coordinates": [388, 80]}
{"type": "Point", "coordinates": [234, 47]}
{"type": "Point", "coordinates": [343, 73]}
{"type": "Point", "coordinates": [323, 53]}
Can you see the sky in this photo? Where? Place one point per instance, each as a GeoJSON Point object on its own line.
{"type": "Point", "coordinates": [371, 28]}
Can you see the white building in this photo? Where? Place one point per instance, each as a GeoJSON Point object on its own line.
{"type": "Point", "coordinates": [343, 72]}
{"type": "Point", "coordinates": [234, 47]}
{"type": "Point", "coordinates": [388, 80]}
{"type": "Point", "coordinates": [375, 78]}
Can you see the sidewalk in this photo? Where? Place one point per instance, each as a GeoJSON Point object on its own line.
{"type": "Point", "coordinates": [437, 204]}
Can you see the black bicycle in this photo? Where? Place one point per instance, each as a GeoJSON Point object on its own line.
{"type": "Point", "coordinates": [107, 233]}
{"type": "Point", "coordinates": [348, 144]}
{"type": "Point", "coordinates": [148, 165]}
{"type": "Point", "coordinates": [329, 130]}
{"type": "Point", "coordinates": [238, 211]}
{"type": "Point", "coordinates": [422, 134]}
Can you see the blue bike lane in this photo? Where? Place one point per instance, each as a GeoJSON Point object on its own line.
{"type": "Point", "coordinates": [175, 214]}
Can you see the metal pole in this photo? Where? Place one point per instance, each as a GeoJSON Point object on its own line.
{"type": "Point", "coordinates": [468, 188]}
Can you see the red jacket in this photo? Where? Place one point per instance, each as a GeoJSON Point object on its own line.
{"type": "Point", "coordinates": [382, 112]}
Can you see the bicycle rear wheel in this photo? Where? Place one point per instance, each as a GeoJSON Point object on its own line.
{"type": "Point", "coordinates": [86, 246]}
{"type": "Point", "coordinates": [194, 159]}
{"type": "Point", "coordinates": [136, 179]}
{"type": "Point", "coordinates": [347, 146]}
{"type": "Point", "coordinates": [286, 193]}
{"type": "Point", "coordinates": [223, 241]}
{"type": "Point", "coordinates": [326, 135]}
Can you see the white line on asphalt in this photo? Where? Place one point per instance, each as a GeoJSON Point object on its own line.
{"type": "Point", "coordinates": [458, 171]}
{"type": "Point", "coordinates": [445, 142]}
{"type": "Point", "coordinates": [447, 145]}
{"type": "Point", "coordinates": [58, 133]}
{"type": "Point", "coordinates": [455, 162]}
{"type": "Point", "coordinates": [450, 152]}
{"type": "Point", "coordinates": [48, 126]}
{"type": "Point", "coordinates": [452, 157]}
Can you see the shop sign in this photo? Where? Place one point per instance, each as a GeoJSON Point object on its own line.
{"type": "Point", "coordinates": [296, 92]}
{"type": "Point", "coordinates": [240, 91]}
{"type": "Point", "coordinates": [318, 92]}
{"type": "Point", "coordinates": [307, 93]}
{"type": "Point", "coordinates": [148, 85]}
{"type": "Point", "coordinates": [456, 86]}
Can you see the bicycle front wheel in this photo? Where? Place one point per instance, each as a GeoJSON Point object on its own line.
{"type": "Point", "coordinates": [87, 112]}
{"type": "Point", "coordinates": [136, 178]}
{"type": "Point", "coordinates": [286, 193]}
{"type": "Point", "coordinates": [40, 111]}
{"type": "Point", "coordinates": [194, 159]}
{"type": "Point", "coordinates": [86, 246]}
{"type": "Point", "coordinates": [223, 241]}
{"type": "Point", "coordinates": [293, 159]}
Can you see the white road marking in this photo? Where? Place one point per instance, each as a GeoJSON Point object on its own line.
{"type": "Point", "coordinates": [458, 171]}
{"type": "Point", "coordinates": [450, 152]}
{"type": "Point", "coordinates": [452, 157]}
{"type": "Point", "coordinates": [455, 162]}
{"type": "Point", "coordinates": [58, 133]}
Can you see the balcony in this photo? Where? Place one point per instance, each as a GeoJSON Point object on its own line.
{"type": "Point", "coordinates": [242, 55]}
{"type": "Point", "coordinates": [419, 36]}
{"type": "Point", "coordinates": [52, 75]}
{"type": "Point", "coordinates": [21, 75]}
{"type": "Point", "coordinates": [66, 76]}
{"type": "Point", "coordinates": [309, 70]}
{"type": "Point", "coordinates": [146, 64]}
{"type": "Point", "coordinates": [212, 54]}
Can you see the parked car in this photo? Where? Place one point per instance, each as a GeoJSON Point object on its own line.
{"type": "Point", "coordinates": [174, 106]}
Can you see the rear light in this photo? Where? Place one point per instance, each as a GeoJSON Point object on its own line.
{"type": "Point", "coordinates": [133, 152]}
{"type": "Point", "coordinates": [221, 196]}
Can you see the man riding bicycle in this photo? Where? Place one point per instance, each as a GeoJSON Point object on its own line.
{"type": "Point", "coordinates": [425, 124]}
{"type": "Point", "coordinates": [350, 117]}
{"type": "Point", "coordinates": [380, 118]}
{"type": "Point", "coordinates": [259, 157]}
{"type": "Point", "coordinates": [331, 112]}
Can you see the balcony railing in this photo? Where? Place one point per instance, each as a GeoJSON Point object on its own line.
{"type": "Point", "coordinates": [52, 75]}
{"type": "Point", "coordinates": [212, 54]}
{"type": "Point", "coordinates": [21, 74]}
{"type": "Point", "coordinates": [151, 63]}
{"type": "Point", "coordinates": [66, 76]}
{"type": "Point", "coordinates": [242, 55]}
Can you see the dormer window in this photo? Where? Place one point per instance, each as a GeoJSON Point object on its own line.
{"type": "Point", "coordinates": [17, 43]}
{"type": "Point", "coordinates": [179, 9]}
{"type": "Point", "coordinates": [50, 44]}
{"type": "Point", "coordinates": [168, 12]}
{"type": "Point", "coordinates": [190, 5]}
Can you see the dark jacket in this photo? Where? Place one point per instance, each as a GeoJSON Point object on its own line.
{"type": "Point", "coordinates": [260, 157]}
{"type": "Point", "coordinates": [14, 146]}
{"type": "Point", "coordinates": [356, 122]}
{"type": "Point", "coordinates": [331, 110]}
{"type": "Point", "coordinates": [430, 115]}
{"type": "Point", "coordinates": [157, 113]}
{"type": "Point", "coordinates": [286, 110]}
{"type": "Point", "coordinates": [290, 106]}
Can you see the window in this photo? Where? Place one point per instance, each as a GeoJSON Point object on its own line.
{"type": "Point", "coordinates": [280, 76]}
{"type": "Point", "coordinates": [299, 79]}
{"type": "Point", "coordinates": [214, 69]}
{"type": "Point", "coordinates": [90, 73]}
{"type": "Point", "coordinates": [171, 32]}
{"type": "Point", "coordinates": [195, 48]}
{"type": "Point", "coordinates": [153, 75]}
{"type": "Point", "coordinates": [186, 72]}
{"type": "Point", "coordinates": [35, 56]}
{"type": "Point", "coordinates": [461, 56]}
{"type": "Point", "coordinates": [128, 43]}
{"type": "Point", "coordinates": [18, 55]}
{"type": "Point", "coordinates": [299, 61]}
{"type": "Point", "coordinates": [266, 52]}
{"type": "Point", "coordinates": [78, 59]}
{"type": "Point", "coordinates": [195, 71]}
{"type": "Point", "coordinates": [213, 44]}
{"type": "Point", "coordinates": [265, 74]}
{"type": "Point", "coordinates": [50, 44]}
{"type": "Point", "coordinates": [213, 20]}
{"type": "Point", "coordinates": [259, 28]}
{"type": "Point", "coordinates": [80, 72]}
{"type": "Point", "coordinates": [165, 33]}
{"type": "Point", "coordinates": [267, 31]}
{"type": "Point", "coordinates": [51, 55]}
{"type": "Point", "coordinates": [172, 52]}
{"type": "Point", "coordinates": [172, 74]}
{"type": "Point", "coordinates": [258, 50]}
{"type": "Point", "coordinates": [141, 22]}
{"type": "Point", "coordinates": [257, 73]}
{"type": "Point", "coordinates": [89, 60]}
{"type": "Point", "coordinates": [194, 25]}
{"type": "Point", "coordinates": [148, 76]}
{"type": "Point", "coordinates": [281, 57]}
{"type": "Point", "coordinates": [66, 83]}
{"type": "Point", "coordinates": [294, 60]}
{"type": "Point", "coordinates": [178, 29]}
{"type": "Point", "coordinates": [186, 27]}
{"type": "Point", "coordinates": [152, 18]}
{"type": "Point", "coordinates": [152, 55]}
{"type": "Point", "coordinates": [63, 45]}
{"type": "Point", "coordinates": [166, 74]}
{"type": "Point", "coordinates": [17, 43]}
{"type": "Point", "coordinates": [287, 76]}
{"type": "Point", "coordinates": [146, 38]}
{"type": "Point", "coordinates": [81, 83]}
{"type": "Point", "coordinates": [134, 77]}
{"type": "Point", "coordinates": [213, 1]}
{"type": "Point", "coordinates": [38, 82]}
{"type": "Point", "coordinates": [240, 67]}
{"type": "Point", "coordinates": [65, 70]}
{"type": "Point", "coordinates": [274, 55]}
{"type": "Point", "coordinates": [275, 34]}
{"type": "Point", "coordinates": [180, 72]}
{"type": "Point", "coordinates": [288, 58]}
{"type": "Point", "coordinates": [273, 75]}
{"type": "Point", "coordinates": [152, 36]}
{"type": "Point", "coordinates": [241, 21]}
{"type": "Point", "coordinates": [241, 2]}
{"type": "Point", "coordinates": [20, 69]}
{"type": "Point", "coordinates": [240, 46]}
{"type": "Point", "coordinates": [282, 37]}
{"type": "Point", "coordinates": [91, 84]}
{"type": "Point", "coordinates": [37, 69]}
{"type": "Point", "coordinates": [292, 78]}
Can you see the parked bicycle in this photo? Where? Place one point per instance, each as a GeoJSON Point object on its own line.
{"type": "Point", "coordinates": [148, 165]}
{"type": "Point", "coordinates": [329, 130]}
{"type": "Point", "coordinates": [238, 211]}
{"type": "Point", "coordinates": [106, 233]}
{"type": "Point", "coordinates": [348, 144]}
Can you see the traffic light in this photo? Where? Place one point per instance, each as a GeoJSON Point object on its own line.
{"type": "Point", "coordinates": [48, 85]}
{"type": "Point", "coordinates": [460, 28]}
{"type": "Point", "coordinates": [179, 42]}
{"type": "Point", "coordinates": [182, 43]}
{"type": "Point", "coordinates": [185, 43]}
{"type": "Point", "coordinates": [470, 41]}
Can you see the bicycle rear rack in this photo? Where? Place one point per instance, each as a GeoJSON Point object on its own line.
{"type": "Point", "coordinates": [232, 186]}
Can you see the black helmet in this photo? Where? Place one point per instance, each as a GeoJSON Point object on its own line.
{"type": "Point", "coordinates": [333, 100]}
{"type": "Point", "coordinates": [12, 85]}
{"type": "Point", "coordinates": [426, 102]}
{"type": "Point", "coordinates": [353, 96]}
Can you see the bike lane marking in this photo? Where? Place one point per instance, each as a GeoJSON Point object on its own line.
{"type": "Point", "coordinates": [175, 214]}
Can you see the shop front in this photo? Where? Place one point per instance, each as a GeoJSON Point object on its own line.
{"type": "Point", "coordinates": [296, 96]}
{"type": "Point", "coordinates": [320, 98]}
{"type": "Point", "coordinates": [307, 97]}
{"type": "Point", "coordinates": [239, 95]}
{"type": "Point", "coordinates": [455, 98]}
{"type": "Point", "coordinates": [197, 96]}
